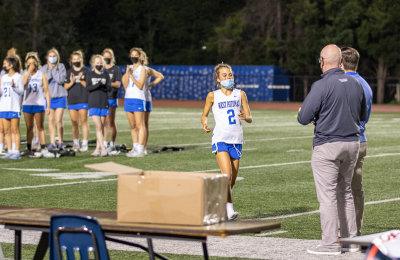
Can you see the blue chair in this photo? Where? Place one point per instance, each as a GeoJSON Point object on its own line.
{"type": "Point", "coordinates": [72, 235]}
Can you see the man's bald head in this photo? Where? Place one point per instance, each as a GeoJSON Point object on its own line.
{"type": "Point", "coordinates": [331, 57]}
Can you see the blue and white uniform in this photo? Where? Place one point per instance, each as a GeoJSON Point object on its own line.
{"type": "Point", "coordinates": [228, 131]}
{"type": "Point", "coordinates": [147, 93]}
{"type": "Point", "coordinates": [135, 100]}
{"type": "Point", "coordinates": [34, 100]}
{"type": "Point", "coordinates": [10, 102]}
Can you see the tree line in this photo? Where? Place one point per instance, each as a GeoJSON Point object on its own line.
{"type": "Point", "coordinates": [286, 33]}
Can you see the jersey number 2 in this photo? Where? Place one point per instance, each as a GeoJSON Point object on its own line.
{"type": "Point", "coordinates": [231, 116]}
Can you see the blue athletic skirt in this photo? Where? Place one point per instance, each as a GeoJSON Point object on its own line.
{"type": "Point", "coordinates": [10, 115]}
{"type": "Point", "coordinates": [234, 150]}
{"type": "Point", "coordinates": [134, 105]}
{"type": "Point", "coordinates": [94, 111]}
{"type": "Point", "coordinates": [33, 109]}
{"type": "Point", "coordinates": [78, 106]}
{"type": "Point", "coordinates": [148, 106]}
{"type": "Point", "coordinates": [113, 102]}
{"type": "Point", "coordinates": [58, 102]}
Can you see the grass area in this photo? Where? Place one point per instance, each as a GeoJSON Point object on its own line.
{"type": "Point", "coordinates": [277, 176]}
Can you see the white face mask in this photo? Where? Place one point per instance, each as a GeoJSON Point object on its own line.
{"type": "Point", "coordinates": [228, 83]}
{"type": "Point", "coordinates": [53, 60]}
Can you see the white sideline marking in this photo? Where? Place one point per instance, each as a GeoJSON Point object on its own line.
{"type": "Point", "coordinates": [250, 140]}
{"type": "Point", "coordinates": [54, 184]}
{"type": "Point", "coordinates": [300, 162]}
{"type": "Point", "coordinates": [74, 175]}
{"type": "Point", "coordinates": [317, 211]}
{"type": "Point", "coordinates": [239, 179]}
{"type": "Point", "coordinates": [271, 233]}
{"type": "Point", "coordinates": [31, 170]}
{"type": "Point", "coordinates": [295, 150]}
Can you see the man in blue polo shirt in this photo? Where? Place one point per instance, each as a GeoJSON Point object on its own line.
{"type": "Point", "coordinates": [335, 105]}
{"type": "Point", "coordinates": [350, 65]}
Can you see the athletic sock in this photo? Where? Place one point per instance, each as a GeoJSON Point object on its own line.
{"type": "Point", "coordinates": [13, 146]}
{"type": "Point", "coordinates": [85, 142]}
{"type": "Point", "coordinates": [105, 144]}
{"type": "Point", "coordinates": [76, 141]}
{"type": "Point", "coordinates": [29, 146]}
{"type": "Point", "coordinates": [112, 144]}
{"type": "Point", "coordinates": [42, 146]}
{"type": "Point", "coordinates": [1, 147]}
{"type": "Point", "coordinates": [229, 208]}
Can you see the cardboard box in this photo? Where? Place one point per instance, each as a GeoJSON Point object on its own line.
{"type": "Point", "coordinates": [182, 198]}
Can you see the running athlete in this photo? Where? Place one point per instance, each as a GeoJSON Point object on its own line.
{"type": "Point", "coordinates": [134, 106]}
{"type": "Point", "coordinates": [56, 73]}
{"type": "Point", "coordinates": [12, 88]}
{"type": "Point", "coordinates": [34, 106]}
{"type": "Point", "coordinates": [148, 85]}
{"type": "Point", "coordinates": [227, 104]}
{"type": "Point", "coordinates": [115, 75]}
{"type": "Point", "coordinates": [98, 85]}
{"type": "Point", "coordinates": [75, 84]}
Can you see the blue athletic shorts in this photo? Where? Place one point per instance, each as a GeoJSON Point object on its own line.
{"type": "Point", "coordinates": [148, 106]}
{"type": "Point", "coordinates": [10, 115]}
{"type": "Point", "coordinates": [58, 102]}
{"type": "Point", "coordinates": [78, 106]}
{"type": "Point", "coordinates": [134, 105]}
{"type": "Point", "coordinates": [234, 150]}
{"type": "Point", "coordinates": [94, 111]}
{"type": "Point", "coordinates": [33, 109]}
{"type": "Point", "coordinates": [113, 102]}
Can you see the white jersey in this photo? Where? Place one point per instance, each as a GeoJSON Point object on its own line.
{"type": "Point", "coordinates": [132, 91]}
{"type": "Point", "coordinates": [34, 92]}
{"type": "Point", "coordinates": [226, 109]}
{"type": "Point", "coordinates": [11, 96]}
{"type": "Point", "coordinates": [147, 92]}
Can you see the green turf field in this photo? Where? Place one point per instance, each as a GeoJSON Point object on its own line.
{"type": "Point", "coordinates": [276, 177]}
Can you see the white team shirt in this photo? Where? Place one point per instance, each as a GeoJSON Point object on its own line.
{"type": "Point", "coordinates": [147, 92]}
{"type": "Point", "coordinates": [132, 91]}
{"type": "Point", "coordinates": [11, 96]}
{"type": "Point", "coordinates": [34, 92]}
{"type": "Point", "coordinates": [226, 109]}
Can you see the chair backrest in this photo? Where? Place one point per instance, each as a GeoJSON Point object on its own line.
{"type": "Point", "coordinates": [72, 235]}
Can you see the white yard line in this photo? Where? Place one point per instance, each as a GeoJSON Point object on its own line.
{"type": "Point", "coordinates": [31, 170]}
{"type": "Point", "coordinates": [54, 184]}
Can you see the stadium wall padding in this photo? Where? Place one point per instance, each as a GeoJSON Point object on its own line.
{"type": "Point", "coordinates": [261, 83]}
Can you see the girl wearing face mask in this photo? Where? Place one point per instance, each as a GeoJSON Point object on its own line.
{"type": "Point", "coordinates": [135, 101]}
{"type": "Point", "coordinates": [98, 85]}
{"type": "Point", "coordinates": [115, 75]}
{"type": "Point", "coordinates": [34, 105]}
{"type": "Point", "coordinates": [158, 77]}
{"type": "Point", "coordinates": [75, 84]}
{"type": "Point", "coordinates": [229, 107]}
{"type": "Point", "coordinates": [55, 72]}
{"type": "Point", "coordinates": [11, 90]}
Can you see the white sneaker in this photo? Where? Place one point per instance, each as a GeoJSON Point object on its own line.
{"type": "Point", "coordinates": [96, 153]}
{"type": "Point", "coordinates": [103, 153]}
{"type": "Point", "coordinates": [76, 147]}
{"type": "Point", "coordinates": [84, 148]}
{"type": "Point", "coordinates": [233, 216]}
{"type": "Point", "coordinates": [110, 149]}
{"type": "Point", "coordinates": [135, 153]}
{"type": "Point", "coordinates": [47, 154]}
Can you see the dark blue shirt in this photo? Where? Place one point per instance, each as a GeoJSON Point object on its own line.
{"type": "Point", "coordinates": [336, 104]}
{"type": "Point", "coordinates": [368, 98]}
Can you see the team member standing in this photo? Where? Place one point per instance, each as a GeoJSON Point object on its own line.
{"type": "Point", "coordinates": [349, 65]}
{"type": "Point", "coordinates": [56, 73]}
{"type": "Point", "coordinates": [147, 91]}
{"type": "Point", "coordinates": [75, 84]}
{"type": "Point", "coordinates": [336, 105]}
{"type": "Point", "coordinates": [133, 82]}
{"type": "Point", "coordinates": [36, 94]}
{"type": "Point", "coordinates": [2, 72]}
{"type": "Point", "coordinates": [227, 104]}
{"type": "Point", "coordinates": [115, 75]}
{"type": "Point", "coordinates": [12, 88]}
{"type": "Point", "coordinates": [98, 84]}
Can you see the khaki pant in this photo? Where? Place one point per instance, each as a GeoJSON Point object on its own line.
{"type": "Point", "coordinates": [333, 166]}
{"type": "Point", "coordinates": [357, 187]}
